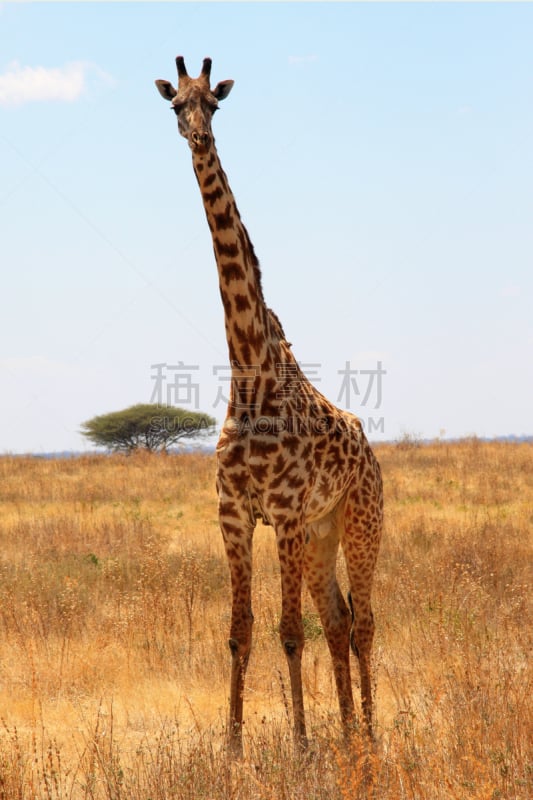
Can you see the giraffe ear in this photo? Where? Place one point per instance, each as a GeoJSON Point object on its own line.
{"type": "Point", "coordinates": [222, 89]}
{"type": "Point", "coordinates": [166, 90]}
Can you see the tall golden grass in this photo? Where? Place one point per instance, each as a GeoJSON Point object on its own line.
{"type": "Point", "coordinates": [114, 611]}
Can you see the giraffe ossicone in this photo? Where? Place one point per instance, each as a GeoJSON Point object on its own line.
{"type": "Point", "coordinates": [285, 454]}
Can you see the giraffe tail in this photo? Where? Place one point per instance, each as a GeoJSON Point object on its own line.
{"type": "Point", "coordinates": [352, 640]}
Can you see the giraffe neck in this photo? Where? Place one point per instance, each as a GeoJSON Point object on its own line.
{"type": "Point", "coordinates": [246, 315]}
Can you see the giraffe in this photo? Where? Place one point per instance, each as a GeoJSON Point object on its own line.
{"type": "Point", "coordinates": [285, 455]}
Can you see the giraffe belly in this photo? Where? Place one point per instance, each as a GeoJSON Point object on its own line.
{"type": "Point", "coordinates": [283, 504]}
{"type": "Point", "coordinates": [323, 527]}
{"type": "Point", "coordinates": [321, 513]}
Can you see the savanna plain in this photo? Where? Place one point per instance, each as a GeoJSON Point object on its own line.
{"type": "Point", "coordinates": [114, 617]}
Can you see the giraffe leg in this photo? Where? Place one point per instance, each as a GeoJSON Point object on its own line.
{"type": "Point", "coordinates": [238, 544]}
{"type": "Point", "coordinates": [360, 537]}
{"type": "Point", "coordinates": [319, 571]}
{"type": "Point", "coordinates": [290, 551]}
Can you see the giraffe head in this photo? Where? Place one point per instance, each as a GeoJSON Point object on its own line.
{"type": "Point", "coordinates": [194, 103]}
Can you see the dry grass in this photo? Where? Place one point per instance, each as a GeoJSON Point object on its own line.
{"type": "Point", "coordinates": [114, 664]}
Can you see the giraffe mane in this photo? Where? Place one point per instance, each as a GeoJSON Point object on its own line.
{"type": "Point", "coordinates": [276, 326]}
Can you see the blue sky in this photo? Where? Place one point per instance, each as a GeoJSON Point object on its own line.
{"type": "Point", "coordinates": [381, 159]}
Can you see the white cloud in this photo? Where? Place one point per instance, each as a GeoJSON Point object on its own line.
{"type": "Point", "coordinates": [22, 84]}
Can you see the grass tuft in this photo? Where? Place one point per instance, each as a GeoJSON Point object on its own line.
{"type": "Point", "coordinates": [114, 612]}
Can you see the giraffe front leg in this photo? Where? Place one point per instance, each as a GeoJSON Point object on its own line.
{"type": "Point", "coordinates": [290, 551]}
{"type": "Point", "coordinates": [320, 576]}
{"type": "Point", "coordinates": [238, 544]}
{"type": "Point", "coordinates": [240, 643]}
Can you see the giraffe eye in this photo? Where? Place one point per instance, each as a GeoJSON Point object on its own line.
{"type": "Point", "coordinates": [176, 108]}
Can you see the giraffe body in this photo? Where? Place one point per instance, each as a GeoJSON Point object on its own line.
{"type": "Point", "coordinates": [285, 454]}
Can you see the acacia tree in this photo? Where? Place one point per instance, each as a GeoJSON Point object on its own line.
{"type": "Point", "coordinates": [148, 426]}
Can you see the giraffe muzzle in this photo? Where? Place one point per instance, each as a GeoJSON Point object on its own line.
{"type": "Point", "coordinates": [200, 141]}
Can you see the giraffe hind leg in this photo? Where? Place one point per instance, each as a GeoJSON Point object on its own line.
{"type": "Point", "coordinates": [291, 552]}
{"type": "Point", "coordinates": [360, 538]}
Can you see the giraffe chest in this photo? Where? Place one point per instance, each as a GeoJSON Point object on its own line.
{"type": "Point", "coordinates": [285, 477]}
